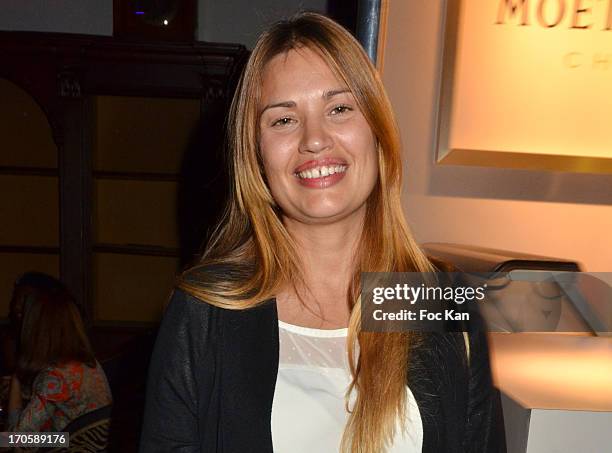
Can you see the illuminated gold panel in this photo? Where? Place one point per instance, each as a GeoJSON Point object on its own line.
{"type": "Point", "coordinates": [148, 135]}
{"type": "Point", "coordinates": [527, 79]}
{"type": "Point", "coordinates": [136, 212]}
{"type": "Point", "coordinates": [26, 135]}
{"type": "Point", "coordinates": [29, 209]}
{"type": "Point", "coordinates": [131, 288]}
{"type": "Point", "coordinates": [13, 265]}
{"type": "Point", "coordinates": [550, 371]}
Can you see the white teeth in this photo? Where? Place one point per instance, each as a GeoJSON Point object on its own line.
{"type": "Point", "coordinates": [322, 171]}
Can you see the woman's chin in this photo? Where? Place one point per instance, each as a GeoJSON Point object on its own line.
{"type": "Point", "coordinates": [326, 215]}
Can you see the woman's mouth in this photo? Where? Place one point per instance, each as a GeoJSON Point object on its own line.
{"type": "Point", "coordinates": [322, 176]}
{"type": "Point", "coordinates": [322, 171]}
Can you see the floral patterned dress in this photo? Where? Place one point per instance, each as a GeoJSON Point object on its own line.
{"type": "Point", "coordinates": [61, 394]}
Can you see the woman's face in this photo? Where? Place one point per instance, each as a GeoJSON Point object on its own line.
{"type": "Point", "coordinates": [318, 150]}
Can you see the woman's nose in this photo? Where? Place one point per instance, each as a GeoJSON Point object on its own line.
{"type": "Point", "coordinates": [314, 138]}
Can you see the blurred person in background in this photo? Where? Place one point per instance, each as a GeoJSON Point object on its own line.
{"type": "Point", "coordinates": [56, 365]}
{"type": "Point", "coordinates": [26, 286]}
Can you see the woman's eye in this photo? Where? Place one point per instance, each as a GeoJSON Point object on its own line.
{"type": "Point", "coordinates": [340, 109]}
{"type": "Point", "coordinates": [282, 122]}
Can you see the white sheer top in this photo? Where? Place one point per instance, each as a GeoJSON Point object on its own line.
{"type": "Point", "coordinates": [308, 410]}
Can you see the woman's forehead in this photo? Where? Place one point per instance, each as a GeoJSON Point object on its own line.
{"type": "Point", "coordinates": [296, 70]}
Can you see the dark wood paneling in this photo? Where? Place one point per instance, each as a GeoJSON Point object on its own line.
{"type": "Point", "coordinates": [62, 72]}
{"type": "Point", "coordinates": [52, 65]}
{"type": "Point", "coordinates": [39, 250]}
{"type": "Point", "coordinates": [29, 171]}
{"type": "Point", "coordinates": [142, 250]}
{"type": "Point", "coordinates": [134, 176]}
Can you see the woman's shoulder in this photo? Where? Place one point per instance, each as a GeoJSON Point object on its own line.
{"type": "Point", "coordinates": [69, 369]}
{"type": "Point", "coordinates": [207, 273]}
{"type": "Point", "coordinates": [185, 309]}
{"type": "Point", "coordinates": [440, 352]}
{"type": "Point", "coordinates": [213, 279]}
{"type": "Point", "coordinates": [55, 382]}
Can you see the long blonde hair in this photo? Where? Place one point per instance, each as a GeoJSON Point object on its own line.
{"type": "Point", "coordinates": [259, 256]}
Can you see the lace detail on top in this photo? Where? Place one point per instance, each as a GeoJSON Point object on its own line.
{"type": "Point", "coordinates": [308, 411]}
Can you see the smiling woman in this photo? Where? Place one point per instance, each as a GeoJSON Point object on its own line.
{"type": "Point", "coordinates": [260, 348]}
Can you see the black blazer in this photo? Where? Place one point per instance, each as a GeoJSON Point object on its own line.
{"type": "Point", "coordinates": [213, 372]}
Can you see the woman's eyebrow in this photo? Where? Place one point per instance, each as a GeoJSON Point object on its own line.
{"type": "Point", "coordinates": [331, 93]}
{"type": "Point", "coordinates": [286, 104]}
{"type": "Point", "coordinates": [290, 104]}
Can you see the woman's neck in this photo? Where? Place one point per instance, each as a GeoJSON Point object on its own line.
{"type": "Point", "coordinates": [327, 251]}
{"type": "Point", "coordinates": [327, 255]}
